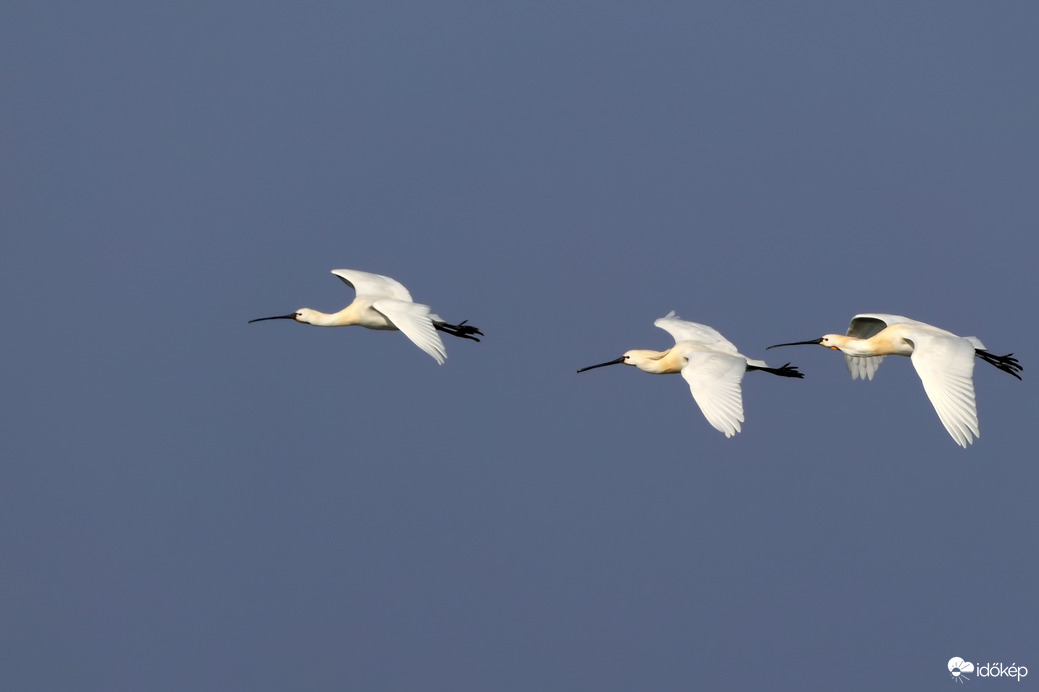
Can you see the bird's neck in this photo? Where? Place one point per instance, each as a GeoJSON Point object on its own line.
{"type": "Point", "coordinates": [883, 344]}
{"type": "Point", "coordinates": [323, 319]}
{"type": "Point", "coordinates": [655, 362]}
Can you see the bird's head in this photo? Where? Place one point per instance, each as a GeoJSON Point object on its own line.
{"type": "Point", "coordinates": [306, 316]}
{"type": "Point", "coordinates": [832, 341]}
{"type": "Point", "coordinates": [640, 358]}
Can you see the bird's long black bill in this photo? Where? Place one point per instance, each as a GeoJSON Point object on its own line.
{"type": "Point", "coordinates": [291, 316]}
{"type": "Point", "coordinates": [603, 365]}
{"type": "Point", "coordinates": [813, 342]}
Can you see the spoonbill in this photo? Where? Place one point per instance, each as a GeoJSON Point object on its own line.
{"type": "Point", "coordinates": [383, 303]}
{"type": "Point", "coordinates": [710, 364]}
{"type": "Point", "coordinates": [943, 360]}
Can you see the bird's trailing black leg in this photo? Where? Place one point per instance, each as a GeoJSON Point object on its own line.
{"type": "Point", "coordinates": [1007, 363]}
{"type": "Point", "coordinates": [463, 330]}
{"type": "Point", "coordinates": [787, 370]}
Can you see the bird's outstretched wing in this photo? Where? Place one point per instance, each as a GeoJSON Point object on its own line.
{"type": "Point", "coordinates": [945, 365]}
{"type": "Point", "coordinates": [413, 320]}
{"type": "Point", "coordinates": [682, 330]}
{"type": "Point", "coordinates": [373, 286]}
{"type": "Point", "coordinates": [870, 324]}
{"type": "Point", "coordinates": [714, 379]}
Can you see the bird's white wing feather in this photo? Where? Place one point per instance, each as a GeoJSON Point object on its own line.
{"type": "Point", "coordinates": [682, 330]}
{"type": "Point", "coordinates": [373, 286]}
{"type": "Point", "coordinates": [413, 319]}
{"type": "Point", "coordinates": [714, 379]}
{"type": "Point", "coordinates": [863, 367]}
{"type": "Point", "coordinates": [869, 324]}
{"type": "Point", "coordinates": [945, 365]}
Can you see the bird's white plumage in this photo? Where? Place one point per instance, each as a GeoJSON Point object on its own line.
{"type": "Point", "coordinates": [389, 297]}
{"type": "Point", "coordinates": [373, 286]}
{"type": "Point", "coordinates": [945, 365]}
{"type": "Point", "coordinates": [414, 321]}
{"type": "Point", "coordinates": [944, 362]}
{"type": "Point", "coordinates": [713, 368]}
{"type": "Point", "coordinates": [710, 365]}
{"type": "Point", "coordinates": [865, 325]}
{"type": "Point", "coordinates": [383, 303]}
{"type": "Point", "coordinates": [682, 330]}
{"type": "Point", "coordinates": [863, 367]}
{"type": "Point", "coordinates": [714, 380]}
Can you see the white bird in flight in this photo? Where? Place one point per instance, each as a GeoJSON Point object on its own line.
{"type": "Point", "coordinates": [710, 364]}
{"type": "Point", "coordinates": [943, 360]}
{"type": "Point", "coordinates": [383, 303]}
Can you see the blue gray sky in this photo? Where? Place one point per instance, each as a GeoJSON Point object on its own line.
{"type": "Point", "coordinates": [188, 502]}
